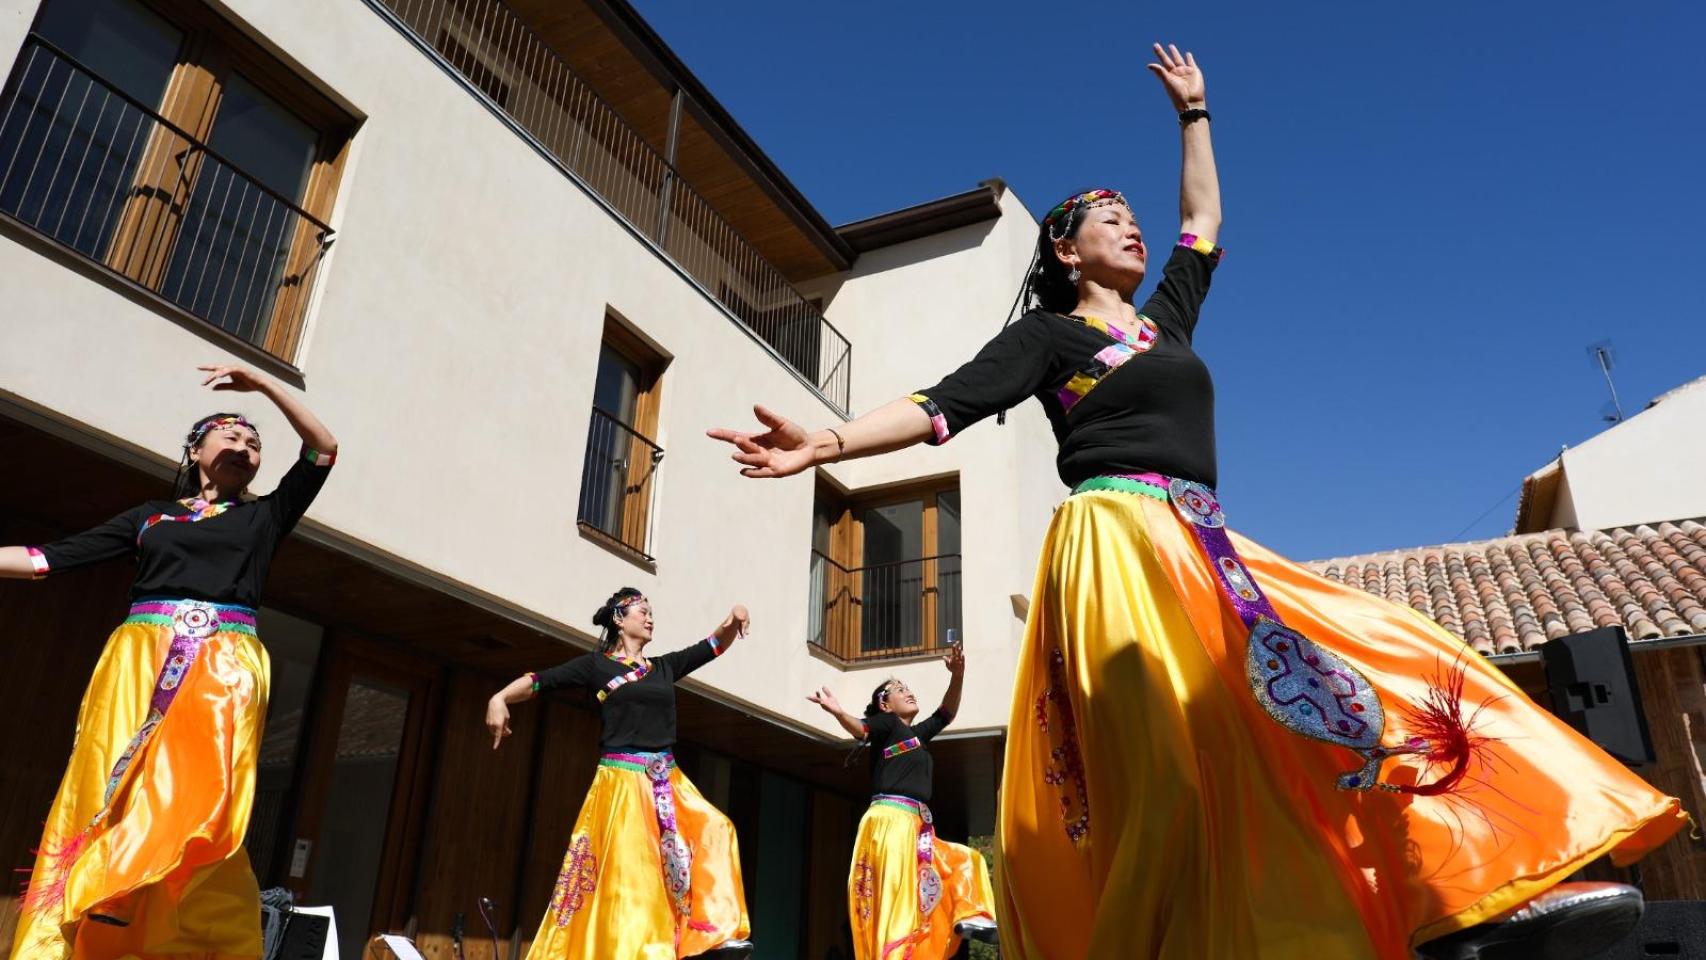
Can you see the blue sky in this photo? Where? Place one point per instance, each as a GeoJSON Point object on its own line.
{"type": "Point", "coordinates": [1432, 210]}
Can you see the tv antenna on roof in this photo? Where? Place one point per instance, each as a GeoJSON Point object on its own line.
{"type": "Point", "coordinates": [1605, 358]}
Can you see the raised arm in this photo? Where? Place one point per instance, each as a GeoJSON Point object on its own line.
{"type": "Point", "coordinates": [956, 663]}
{"type": "Point", "coordinates": [314, 434]}
{"type": "Point", "coordinates": [854, 726]}
{"type": "Point", "coordinates": [1199, 184]}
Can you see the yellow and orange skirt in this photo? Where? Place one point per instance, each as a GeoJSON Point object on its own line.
{"type": "Point", "coordinates": [1152, 807]}
{"type": "Point", "coordinates": [909, 887]}
{"type": "Point", "coordinates": [652, 871]}
{"type": "Point", "coordinates": [142, 854]}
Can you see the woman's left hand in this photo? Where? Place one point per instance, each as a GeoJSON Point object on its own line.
{"type": "Point", "coordinates": [1180, 76]}
{"type": "Point", "coordinates": [240, 379]}
{"type": "Point", "coordinates": [955, 661]}
{"type": "Point", "coordinates": [736, 623]}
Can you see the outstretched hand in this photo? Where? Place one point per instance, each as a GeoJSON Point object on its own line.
{"type": "Point", "coordinates": [240, 379]}
{"type": "Point", "coordinates": [826, 700]}
{"type": "Point", "coordinates": [955, 661]}
{"type": "Point", "coordinates": [782, 450]}
{"type": "Point", "coordinates": [736, 624]}
{"type": "Point", "coordinates": [1180, 76]}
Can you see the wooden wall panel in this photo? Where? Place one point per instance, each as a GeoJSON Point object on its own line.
{"type": "Point", "coordinates": [834, 825]}
{"type": "Point", "coordinates": [475, 825]}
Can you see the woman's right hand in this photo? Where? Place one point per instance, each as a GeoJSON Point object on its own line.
{"type": "Point", "coordinates": [497, 720]}
{"type": "Point", "coordinates": [826, 700]}
{"type": "Point", "coordinates": [782, 450]}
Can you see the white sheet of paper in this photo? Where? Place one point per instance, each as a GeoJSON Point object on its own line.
{"type": "Point", "coordinates": [331, 929]}
{"type": "Point", "coordinates": [401, 947]}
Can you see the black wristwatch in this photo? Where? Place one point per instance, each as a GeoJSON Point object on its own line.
{"type": "Point", "coordinates": [1195, 113]}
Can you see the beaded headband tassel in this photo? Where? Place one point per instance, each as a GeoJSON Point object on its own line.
{"type": "Point", "coordinates": [1060, 220]}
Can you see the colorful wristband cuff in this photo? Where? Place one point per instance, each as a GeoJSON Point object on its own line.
{"type": "Point", "coordinates": [716, 648]}
{"type": "Point", "coordinates": [38, 562]}
{"type": "Point", "coordinates": [535, 678]}
{"type": "Point", "coordinates": [938, 422]}
{"type": "Point", "coordinates": [1193, 242]}
{"type": "Point", "coordinates": [317, 458]}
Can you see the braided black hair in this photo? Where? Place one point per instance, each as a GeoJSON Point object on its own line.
{"type": "Point", "coordinates": [1048, 284]}
{"type": "Point", "coordinates": [605, 618]}
{"type": "Point", "coordinates": [879, 696]}
{"type": "Point", "coordinates": [187, 481]}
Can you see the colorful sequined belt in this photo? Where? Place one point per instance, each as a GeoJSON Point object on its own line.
{"type": "Point", "coordinates": [1306, 688]}
{"type": "Point", "coordinates": [194, 617]}
{"type": "Point", "coordinates": [929, 882]}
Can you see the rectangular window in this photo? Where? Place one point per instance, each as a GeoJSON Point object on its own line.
{"type": "Point", "coordinates": [885, 578]}
{"type": "Point", "coordinates": [618, 473]}
{"type": "Point", "coordinates": [156, 140]}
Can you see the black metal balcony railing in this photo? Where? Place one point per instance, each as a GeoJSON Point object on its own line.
{"type": "Point", "coordinates": [619, 482]}
{"type": "Point", "coordinates": [92, 168]}
{"type": "Point", "coordinates": [500, 55]}
{"type": "Point", "coordinates": [885, 610]}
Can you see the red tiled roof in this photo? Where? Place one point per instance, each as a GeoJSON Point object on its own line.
{"type": "Point", "coordinates": [1515, 593]}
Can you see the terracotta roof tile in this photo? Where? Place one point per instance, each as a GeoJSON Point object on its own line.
{"type": "Point", "coordinates": [1515, 593]}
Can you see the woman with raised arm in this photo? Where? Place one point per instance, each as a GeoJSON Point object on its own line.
{"type": "Point", "coordinates": [652, 870]}
{"type": "Point", "coordinates": [909, 893]}
{"type": "Point", "coordinates": [145, 836]}
{"type": "Point", "coordinates": [1212, 751]}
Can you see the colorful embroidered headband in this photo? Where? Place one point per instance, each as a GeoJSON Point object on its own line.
{"type": "Point", "coordinates": [211, 424]}
{"type": "Point", "coordinates": [1068, 210]}
{"type": "Point", "coordinates": [620, 607]}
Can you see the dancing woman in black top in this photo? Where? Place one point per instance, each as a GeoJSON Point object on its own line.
{"type": "Point", "coordinates": [1212, 751]}
{"type": "Point", "coordinates": [652, 870]}
{"type": "Point", "coordinates": [909, 890]}
{"type": "Point", "coordinates": [145, 836]}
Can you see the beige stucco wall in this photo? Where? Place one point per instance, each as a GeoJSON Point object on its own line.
{"type": "Point", "coordinates": [1649, 468]}
{"type": "Point", "coordinates": [932, 303]}
{"type": "Point", "coordinates": [453, 351]}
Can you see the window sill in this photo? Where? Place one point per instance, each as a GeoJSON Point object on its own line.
{"type": "Point", "coordinates": [644, 561]}
{"type": "Point", "coordinates": [135, 292]}
{"type": "Point", "coordinates": [921, 656]}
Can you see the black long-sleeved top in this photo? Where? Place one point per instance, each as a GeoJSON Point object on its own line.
{"type": "Point", "coordinates": [638, 714]}
{"type": "Point", "coordinates": [220, 555]}
{"type": "Point", "coordinates": [900, 761]}
{"type": "Point", "coordinates": [1120, 401]}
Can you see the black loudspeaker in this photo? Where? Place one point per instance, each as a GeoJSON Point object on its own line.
{"type": "Point", "coordinates": [304, 937]}
{"type": "Point", "coordinates": [1592, 683]}
{"type": "Point", "coordinates": [1669, 930]}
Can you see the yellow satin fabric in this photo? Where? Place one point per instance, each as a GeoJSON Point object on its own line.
{"type": "Point", "coordinates": [168, 857]}
{"type": "Point", "coordinates": [1215, 832]}
{"type": "Point", "coordinates": [610, 899]}
{"type": "Point", "coordinates": [882, 890]}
